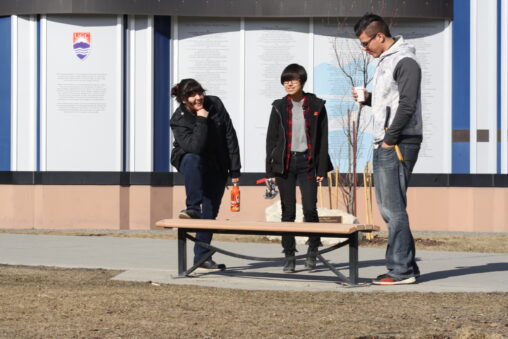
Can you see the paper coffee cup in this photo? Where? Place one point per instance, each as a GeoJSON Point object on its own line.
{"type": "Point", "coordinates": [360, 94]}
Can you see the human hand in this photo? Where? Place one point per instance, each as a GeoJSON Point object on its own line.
{"type": "Point", "coordinates": [354, 92]}
{"type": "Point", "coordinates": [320, 179]}
{"type": "Point", "coordinates": [235, 180]}
{"type": "Point", "coordinates": [386, 146]}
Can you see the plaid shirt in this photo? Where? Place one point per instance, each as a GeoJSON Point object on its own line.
{"type": "Point", "coordinates": [289, 131]}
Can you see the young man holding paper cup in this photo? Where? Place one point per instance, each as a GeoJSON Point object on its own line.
{"type": "Point", "coordinates": [396, 107]}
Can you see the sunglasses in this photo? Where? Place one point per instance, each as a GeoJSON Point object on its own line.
{"type": "Point", "coordinates": [366, 43]}
{"type": "Point", "coordinates": [291, 82]}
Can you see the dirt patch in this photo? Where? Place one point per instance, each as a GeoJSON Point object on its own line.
{"type": "Point", "coordinates": [455, 243]}
{"type": "Point", "coordinates": [379, 241]}
{"type": "Point", "coordinates": [150, 234]}
{"type": "Point", "coordinates": [419, 242]}
{"type": "Point", "coordinates": [78, 303]}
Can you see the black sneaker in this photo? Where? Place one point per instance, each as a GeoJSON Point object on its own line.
{"type": "Point", "coordinates": [189, 214]}
{"type": "Point", "coordinates": [289, 263]}
{"type": "Point", "coordinates": [311, 260]}
{"type": "Point", "coordinates": [211, 266]}
{"type": "Point", "coordinates": [388, 280]}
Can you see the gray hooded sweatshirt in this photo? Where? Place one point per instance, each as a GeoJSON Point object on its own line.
{"type": "Point", "coordinates": [396, 92]}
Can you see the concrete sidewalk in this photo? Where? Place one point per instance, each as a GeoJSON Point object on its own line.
{"type": "Point", "coordinates": [156, 260]}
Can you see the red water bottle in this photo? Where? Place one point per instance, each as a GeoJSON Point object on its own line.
{"type": "Point", "coordinates": [235, 198]}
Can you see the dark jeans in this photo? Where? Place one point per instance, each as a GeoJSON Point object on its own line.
{"type": "Point", "coordinates": [204, 187]}
{"type": "Point", "coordinates": [298, 173]}
{"type": "Point", "coordinates": [391, 177]}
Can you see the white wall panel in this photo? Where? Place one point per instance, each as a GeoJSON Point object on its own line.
{"type": "Point", "coordinates": [270, 45]}
{"type": "Point", "coordinates": [24, 94]}
{"type": "Point", "coordinates": [210, 50]}
{"type": "Point", "coordinates": [140, 107]}
{"type": "Point", "coordinates": [213, 50]}
{"type": "Point", "coordinates": [336, 52]}
{"type": "Point", "coordinates": [81, 101]}
{"type": "Point", "coordinates": [14, 92]}
{"type": "Point", "coordinates": [432, 40]}
{"type": "Point", "coordinates": [484, 84]}
{"type": "Point", "coordinates": [43, 93]}
{"type": "Point", "coordinates": [504, 86]}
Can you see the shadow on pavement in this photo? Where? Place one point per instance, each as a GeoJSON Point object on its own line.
{"type": "Point", "coordinates": [460, 271]}
{"type": "Point", "coordinates": [300, 275]}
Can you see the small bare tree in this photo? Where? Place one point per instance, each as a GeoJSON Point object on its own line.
{"type": "Point", "coordinates": [353, 63]}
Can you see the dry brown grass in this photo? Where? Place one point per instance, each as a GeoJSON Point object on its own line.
{"type": "Point", "coordinates": [456, 243]}
{"type": "Point", "coordinates": [78, 303]}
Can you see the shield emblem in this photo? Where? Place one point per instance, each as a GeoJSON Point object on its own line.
{"type": "Point", "coordinates": [81, 43]}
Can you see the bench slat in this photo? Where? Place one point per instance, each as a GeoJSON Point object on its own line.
{"type": "Point", "coordinates": [290, 227]}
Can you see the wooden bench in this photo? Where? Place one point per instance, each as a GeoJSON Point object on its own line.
{"type": "Point", "coordinates": [350, 232]}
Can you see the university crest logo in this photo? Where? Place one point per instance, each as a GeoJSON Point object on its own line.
{"type": "Point", "coordinates": [81, 43]}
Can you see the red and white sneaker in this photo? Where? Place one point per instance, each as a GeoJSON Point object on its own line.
{"type": "Point", "coordinates": [385, 279]}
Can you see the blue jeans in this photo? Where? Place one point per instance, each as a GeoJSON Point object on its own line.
{"type": "Point", "coordinates": [391, 177]}
{"type": "Point", "coordinates": [204, 187]}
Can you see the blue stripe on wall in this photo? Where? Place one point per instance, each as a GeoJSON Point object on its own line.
{"type": "Point", "coordinates": [499, 8]}
{"type": "Point", "coordinates": [460, 157]}
{"type": "Point", "coordinates": [5, 93]}
{"type": "Point", "coordinates": [124, 92]}
{"type": "Point", "coordinates": [162, 51]}
{"type": "Point", "coordinates": [461, 81]}
{"type": "Point", "coordinates": [499, 158]}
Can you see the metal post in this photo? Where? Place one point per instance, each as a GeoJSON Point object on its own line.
{"type": "Point", "coordinates": [182, 252]}
{"type": "Point", "coordinates": [353, 258]}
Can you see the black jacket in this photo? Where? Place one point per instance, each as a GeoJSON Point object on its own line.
{"type": "Point", "coordinates": [276, 143]}
{"type": "Point", "coordinates": [214, 138]}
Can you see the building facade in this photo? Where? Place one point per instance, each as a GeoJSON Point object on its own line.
{"type": "Point", "coordinates": [84, 102]}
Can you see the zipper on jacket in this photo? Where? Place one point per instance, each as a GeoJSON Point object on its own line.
{"type": "Point", "coordinates": [283, 134]}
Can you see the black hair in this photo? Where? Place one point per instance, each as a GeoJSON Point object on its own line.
{"type": "Point", "coordinates": [372, 24]}
{"type": "Point", "coordinates": [186, 88]}
{"type": "Point", "coordinates": [294, 72]}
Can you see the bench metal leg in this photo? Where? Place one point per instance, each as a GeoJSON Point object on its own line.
{"type": "Point", "coordinates": [182, 252]}
{"type": "Point", "coordinates": [353, 258]}
{"type": "Point", "coordinates": [197, 264]}
{"type": "Point", "coordinates": [325, 262]}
